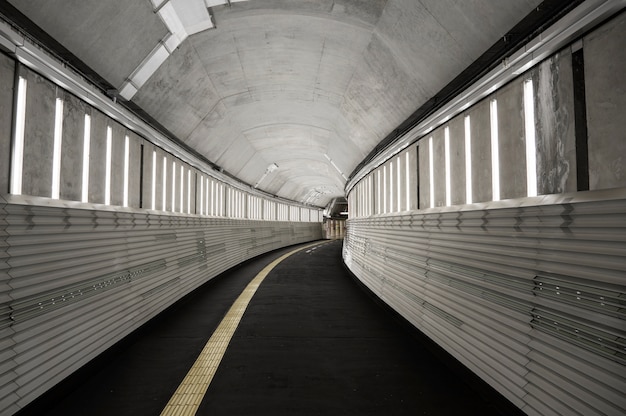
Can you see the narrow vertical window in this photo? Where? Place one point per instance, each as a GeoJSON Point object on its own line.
{"type": "Point", "coordinates": [213, 202]}
{"type": "Point", "coordinates": [495, 158]}
{"type": "Point", "coordinates": [154, 160]}
{"type": "Point", "coordinates": [407, 174]}
{"type": "Point", "coordinates": [468, 161]}
{"type": "Point", "coordinates": [188, 191]}
{"type": "Point", "coordinates": [529, 129]}
{"type": "Point", "coordinates": [86, 155]}
{"type": "Point", "coordinates": [107, 174]}
{"type": "Point", "coordinates": [164, 184]}
{"type": "Point", "coordinates": [391, 187]}
{"type": "Point", "coordinates": [126, 168]}
{"type": "Point", "coordinates": [385, 189]}
{"type": "Point", "coordinates": [201, 195]}
{"type": "Point", "coordinates": [182, 187]}
{"type": "Point", "coordinates": [378, 193]}
{"type": "Point", "coordinates": [431, 171]}
{"type": "Point", "coordinates": [18, 140]}
{"type": "Point", "coordinates": [398, 207]}
{"type": "Point", "coordinates": [56, 149]}
{"type": "Point", "coordinates": [173, 209]}
{"type": "Point", "coordinates": [446, 143]}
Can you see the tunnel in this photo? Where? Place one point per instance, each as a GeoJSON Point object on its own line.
{"type": "Point", "coordinates": [464, 163]}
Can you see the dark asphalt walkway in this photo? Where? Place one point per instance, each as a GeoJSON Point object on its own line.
{"type": "Point", "coordinates": [312, 342]}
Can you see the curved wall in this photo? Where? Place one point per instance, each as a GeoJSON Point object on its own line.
{"type": "Point", "coordinates": [501, 232]}
{"type": "Point", "coordinates": [75, 281]}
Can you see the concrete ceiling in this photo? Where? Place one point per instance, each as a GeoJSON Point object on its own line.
{"type": "Point", "coordinates": [309, 85]}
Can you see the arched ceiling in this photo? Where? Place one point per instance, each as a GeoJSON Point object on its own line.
{"type": "Point", "coordinates": [311, 86]}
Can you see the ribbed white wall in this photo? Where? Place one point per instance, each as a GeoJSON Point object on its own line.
{"type": "Point", "coordinates": [529, 294]}
{"type": "Point", "coordinates": [75, 281]}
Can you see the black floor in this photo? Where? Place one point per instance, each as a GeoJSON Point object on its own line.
{"type": "Point", "coordinates": [312, 342]}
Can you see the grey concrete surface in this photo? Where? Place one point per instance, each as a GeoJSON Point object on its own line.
{"type": "Point", "coordinates": [605, 66]}
{"type": "Point", "coordinates": [97, 157]}
{"type": "Point", "coordinates": [481, 152]}
{"type": "Point", "coordinates": [7, 75]}
{"type": "Point", "coordinates": [100, 32]}
{"type": "Point", "coordinates": [457, 160]}
{"type": "Point", "coordinates": [554, 117]}
{"type": "Point", "coordinates": [72, 148]}
{"type": "Point", "coordinates": [439, 167]}
{"type": "Point", "coordinates": [280, 81]}
{"type": "Point", "coordinates": [512, 143]}
{"type": "Point", "coordinates": [38, 133]}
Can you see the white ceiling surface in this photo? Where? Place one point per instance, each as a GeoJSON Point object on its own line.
{"type": "Point", "coordinates": [310, 85]}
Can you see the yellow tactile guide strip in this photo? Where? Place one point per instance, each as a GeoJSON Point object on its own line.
{"type": "Point", "coordinates": [189, 394]}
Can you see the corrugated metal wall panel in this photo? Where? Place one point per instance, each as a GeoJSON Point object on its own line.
{"type": "Point", "coordinates": [75, 281]}
{"type": "Point", "coordinates": [531, 298]}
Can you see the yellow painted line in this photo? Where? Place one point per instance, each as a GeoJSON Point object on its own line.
{"type": "Point", "coordinates": [189, 394]}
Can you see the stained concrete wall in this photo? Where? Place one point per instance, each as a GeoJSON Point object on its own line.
{"type": "Point", "coordinates": [97, 157]}
{"type": "Point", "coordinates": [480, 128]}
{"type": "Point", "coordinates": [134, 170]}
{"type": "Point", "coordinates": [38, 135]}
{"type": "Point", "coordinates": [439, 167]}
{"type": "Point", "coordinates": [72, 147]}
{"type": "Point", "coordinates": [7, 78]}
{"type": "Point", "coordinates": [512, 144]}
{"type": "Point", "coordinates": [555, 130]}
{"type": "Point", "coordinates": [146, 186]}
{"type": "Point", "coordinates": [605, 86]}
{"type": "Point", "coordinates": [457, 160]}
{"type": "Point", "coordinates": [117, 163]}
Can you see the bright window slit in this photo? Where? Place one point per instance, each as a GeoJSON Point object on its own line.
{"type": "Point", "coordinates": [164, 185]}
{"type": "Point", "coordinates": [201, 195]}
{"type": "Point", "coordinates": [188, 191]}
{"type": "Point", "coordinates": [173, 209]}
{"type": "Point", "coordinates": [399, 181]}
{"type": "Point", "coordinates": [126, 168]}
{"type": "Point", "coordinates": [495, 157]}
{"type": "Point", "coordinates": [378, 188]}
{"type": "Point", "coordinates": [529, 129]}
{"type": "Point", "coordinates": [431, 171]}
{"type": "Point", "coordinates": [107, 175]}
{"type": "Point", "coordinates": [385, 189]}
{"type": "Point", "coordinates": [446, 133]}
{"type": "Point", "coordinates": [391, 187]}
{"type": "Point", "coordinates": [86, 155]}
{"type": "Point", "coordinates": [154, 161]}
{"type": "Point", "coordinates": [182, 188]}
{"type": "Point", "coordinates": [407, 174]}
{"type": "Point", "coordinates": [56, 152]}
{"type": "Point", "coordinates": [17, 163]}
{"type": "Point", "coordinates": [468, 161]}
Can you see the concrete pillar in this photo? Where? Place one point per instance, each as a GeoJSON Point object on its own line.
{"type": "Point", "coordinates": [555, 131]}
{"type": "Point", "coordinates": [97, 157]}
{"type": "Point", "coordinates": [605, 66]}
{"type": "Point", "coordinates": [72, 144]}
{"type": "Point", "coordinates": [512, 143]}
{"type": "Point", "coordinates": [146, 186]}
{"type": "Point", "coordinates": [134, 174]}
{"type": "Point", "coordinates": [439, 167]}
{"type": "Point", "coordinates": [117, 163]}
{"type": "Point", "coordinates": [481, 151]}
{"type": "Point", "coordinates": [457, 160]}
{"type": "Point", "coordinates": [38, 135]}
{"type": "Point", "coordinates": [7, 80]}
